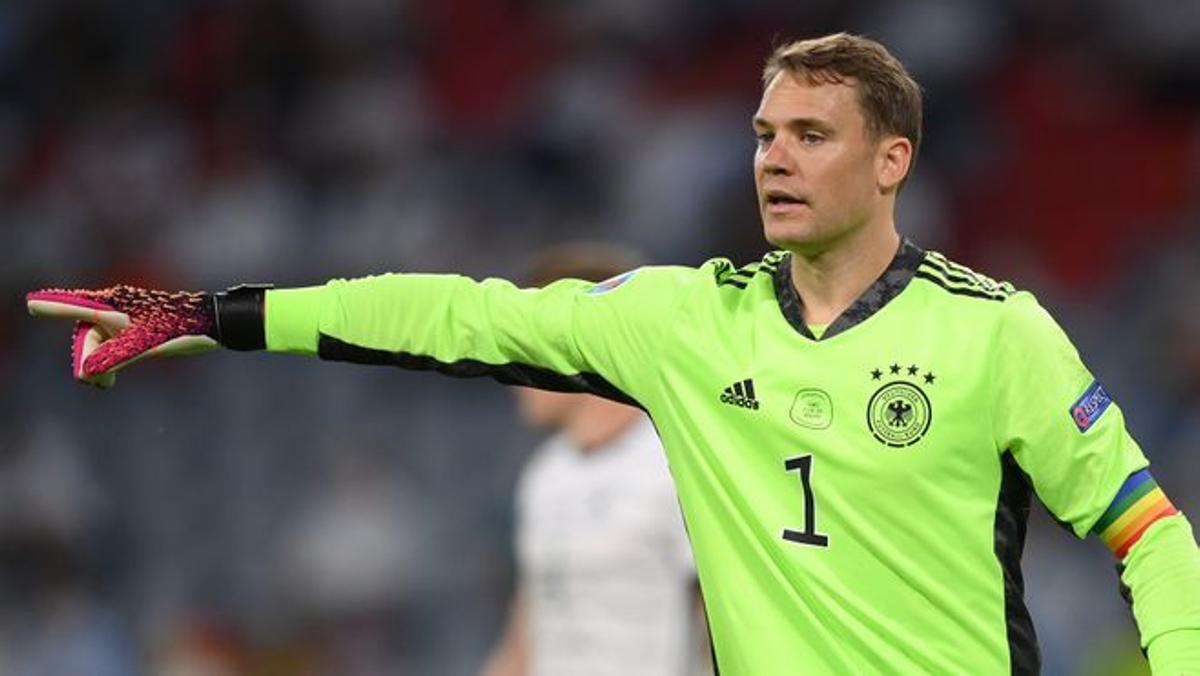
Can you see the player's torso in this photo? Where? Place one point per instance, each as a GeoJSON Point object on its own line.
{"type": "Point", "coordinates": [840, 493]}
{"type": "Point", "coordinates": [606, 592]}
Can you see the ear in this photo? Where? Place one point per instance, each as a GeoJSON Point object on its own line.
{"type": "Point", "coordinates": [892, 162]}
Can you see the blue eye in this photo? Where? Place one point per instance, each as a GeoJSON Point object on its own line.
{"type": "Point", "coordinates": [811, 138]}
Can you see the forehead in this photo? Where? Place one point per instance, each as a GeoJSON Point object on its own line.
{"type": "Point", "coordinates": [791, 96]}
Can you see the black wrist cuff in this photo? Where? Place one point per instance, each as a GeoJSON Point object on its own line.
{"type": "Point", "coordinates": [238, 318]}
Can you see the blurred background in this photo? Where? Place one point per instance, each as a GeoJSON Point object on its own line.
{"type": "Point", "coordinates": [250, 515]}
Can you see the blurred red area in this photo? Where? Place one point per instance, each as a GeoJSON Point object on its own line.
{"type": "Point", "coordinates": [1089, 176]}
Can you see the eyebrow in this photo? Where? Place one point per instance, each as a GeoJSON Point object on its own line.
{"type": "Point", "coordinates": [795, 123]}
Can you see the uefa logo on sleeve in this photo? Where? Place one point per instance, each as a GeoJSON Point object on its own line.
{"type": "Point", "coordinates": [1088, 409]}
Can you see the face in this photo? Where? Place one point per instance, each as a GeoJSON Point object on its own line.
{"type": "Point", "coordinates": [543, 409]}
{"type": "Point", "coordinates": [816, 169]}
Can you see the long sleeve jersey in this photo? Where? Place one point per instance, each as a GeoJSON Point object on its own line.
{"type": "Point", "coordinates": [856, 497]}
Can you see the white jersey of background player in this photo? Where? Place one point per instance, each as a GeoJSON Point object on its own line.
{"type": "Point", "coordinates": [606, 584]}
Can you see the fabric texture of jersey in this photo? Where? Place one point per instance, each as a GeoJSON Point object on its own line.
{"type": "Point", "coordinates": [605, 565]}
{"type": "Point", "coordinates": [856, 504]}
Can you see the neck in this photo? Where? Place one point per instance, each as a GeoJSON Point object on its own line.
{"type": "Point", "coordinates": [596, 422]}
{"type": "Point", "coordinates": [831, 278]}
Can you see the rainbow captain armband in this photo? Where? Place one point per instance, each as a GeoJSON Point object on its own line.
{"type": "Point", "coordinates": [1138, 504]}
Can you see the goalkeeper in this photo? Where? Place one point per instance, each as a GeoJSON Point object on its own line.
{"type": "Point", "coordinates": [855, 426]}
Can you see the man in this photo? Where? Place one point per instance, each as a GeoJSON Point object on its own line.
{"type": "Point", "coordinates": [854, 425]}
{"type": "Point", "coordinates": [606, 583]}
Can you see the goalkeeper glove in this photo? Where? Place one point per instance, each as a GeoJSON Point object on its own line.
{"type": "Point", "coordinates": [120, 325]}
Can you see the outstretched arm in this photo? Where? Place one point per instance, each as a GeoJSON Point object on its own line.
{"type": "Point", "coordinates": [571, 335]}
{"type": "Point", "coordinates": [559, 337]}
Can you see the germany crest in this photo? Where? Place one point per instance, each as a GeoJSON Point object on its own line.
{"type": "Point", "coordinates": [899, 413]}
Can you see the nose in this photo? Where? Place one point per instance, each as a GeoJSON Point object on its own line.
{"type": "Point", "coordinates": [776, 159]}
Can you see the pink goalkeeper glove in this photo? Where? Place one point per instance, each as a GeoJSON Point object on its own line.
{"type": "Point", "coordinates": [117, 326]}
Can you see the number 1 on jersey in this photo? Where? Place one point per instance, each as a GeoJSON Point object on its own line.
{"type": "Point", "coordinates": [808, 536]}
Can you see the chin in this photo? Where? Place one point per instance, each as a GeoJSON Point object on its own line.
{"type": "Point", "coordinates": [790, 236]}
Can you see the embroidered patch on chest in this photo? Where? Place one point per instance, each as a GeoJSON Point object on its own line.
{"type": "Point", "coordinates": [899, 413]}
{"type": "Point", "coordinates": [812, 408]}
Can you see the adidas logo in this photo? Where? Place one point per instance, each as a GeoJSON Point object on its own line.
{"type": "Point", "coordinates": [740, 394]}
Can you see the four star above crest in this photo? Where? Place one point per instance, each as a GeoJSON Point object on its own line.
{"type": "Point", "coordinates": [913, 370]}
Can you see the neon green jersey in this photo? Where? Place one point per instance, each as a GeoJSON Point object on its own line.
{"type": "Point", "coordinates": [856, 504]}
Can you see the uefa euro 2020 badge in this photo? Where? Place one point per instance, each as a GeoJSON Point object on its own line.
{"type": "Point", "coordinates": [611, 283]}
{"type": "Point", "coordinates": [899, 413]}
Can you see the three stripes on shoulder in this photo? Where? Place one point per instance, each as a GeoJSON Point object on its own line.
{"type": "Point", "coordinates": [739, 278]}
{"type": "Point", "coordinates": [936, 268]}
{"type": "Point", "coordinates": [961, 280]}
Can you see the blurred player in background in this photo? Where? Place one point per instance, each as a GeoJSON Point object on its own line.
{"type": "Point", "coordinates": [855, 425]}
{"type": "Point", "coordinates": [606, 583]}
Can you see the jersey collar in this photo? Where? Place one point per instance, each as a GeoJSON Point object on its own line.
{"type": "Point", "coordinates": [889, 285]}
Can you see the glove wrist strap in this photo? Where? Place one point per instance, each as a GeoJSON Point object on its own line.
{"type": "Point", "coordinates": [238, 320]}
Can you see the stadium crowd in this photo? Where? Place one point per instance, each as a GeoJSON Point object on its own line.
{"type": "Point", "coordinates": [292, 517]}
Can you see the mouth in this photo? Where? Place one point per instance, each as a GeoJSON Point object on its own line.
{"type": "Point", "coordinates": [781, 202]}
